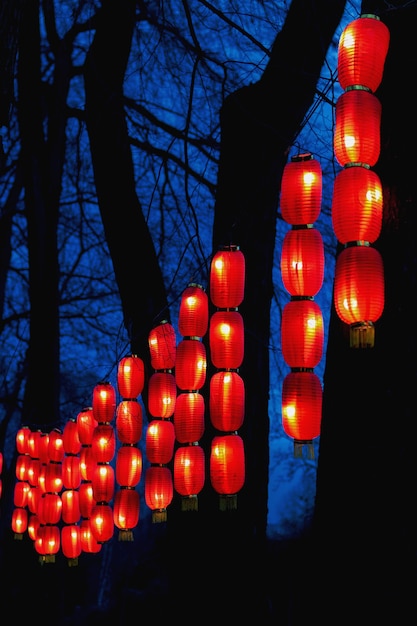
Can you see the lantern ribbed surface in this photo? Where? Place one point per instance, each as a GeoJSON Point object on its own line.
{"type": "Point", "coordinates": [193, 312]}
{"type": "Point", "coordinates": [357, 128]}
{"type": "Point", "coordinates": [357, 205]}
{"type": "Point", "coordinates": [19, 521]}
{"type": "Point", "coordinates": [227, 401]}
{"type": "Point", "coordinates": [126, 509]}
{"type": "Point", "coordinates": [227, 278]}
{"type": "Point", "coordinates": [71, 472]}
{"type": "Point", "coordinates": [302, 261]}
{"type": "Point", "coordinates": [130, 376]}
{"type": "Point", "coordinates": [301, 190]}
{"type": "Point", "coordinates": [103, 482]}
{"type": "Point", "coordinates": [162, 346]}
{"type": "Point", "coordinates": [86, 423]}
{"type": "Point", "coordinates": [50, 508]}
{"type": "Point", "coordinates": [362, 50]}
{"type": "Point", "coordinates": [302, 405]}
{"type": "Point", "coordinates": [87, 463]}
{"type": "Point", "coordinates": [89, 543]}
{"type": "Point", "coordinates": [129, 421]}
{"type": "Point", "coordinates": [159, 491]}
{"type": "Point", "coordinates": [226, 339]}
{"type": "Point", "coordinates": [104, 402]}
{"type": "Point", "coordinates": [189, 417]}
{"type": "Point", "coordinates": [302, 333]}
{"type": "Point", "coordinates": [359, 285]}
{"type": "Point", "coordinates": [86, 499]}
{"type": "Point", "coordinates": [20, 494]}
{"type": "Point", "coordinates": [102, 524]}
{"type": "Point", "coordinates": [71, 512]}
{"type": "Point", "coordinates": [191, 364]}
{"type": "Point", "coordinates": [70, 438]}
{"type": "Point", "coordinates": [71, 541]}
{"type": "Point", "coordinates": [227, 464]}
{"type": "Point", "coordinates": [162, 393]}
{"type": "Point", "coordinates": [189, 470]}
{"type": "Point", "coordinates": [103, 445]}
{"type": "Point", "coordinates": [160, 440]}
{"type": "Point", "coordinates": [129, 464]}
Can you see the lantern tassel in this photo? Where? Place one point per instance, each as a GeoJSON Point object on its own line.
{"type": "Point", "coordinates": [125, 535]}
{"type": "Point", "coordinates": [189, 503]}
{"type": "Point", "coordinates": [159, 515]}
{"type": "Point", "coordinates": [228, 502]}
{"type": "Point", "coordinates": [362, 335]}
{"type": "Point", "coordinates": [299, 446]}
{"type": "Point", "coordinates": [72, 562]}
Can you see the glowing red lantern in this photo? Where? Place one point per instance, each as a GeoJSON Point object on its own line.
{"type": "Point", "coordinates": [55, 446]}
{"type": "Point", "coordinates": [33, 472]}
{"type": "Point", "coordinates": [363, 47]}
{"type": "Point", "coordinates": [193, 311]}
{"type": "Point", "coordinates": [19, 522]}
{"type": "Point", "coordinates": [301, 409]}
{"type": "Point", "coordinates": [227, 277]}
{"type": "Point", "coordinates": [22, 467]}
{"type": "Point", "coordinates": [359, 292]}
{"type": "Point", "coordinates": [227, 468]}
{"type": "Point", "coordinates": [357, 205]}
{"type": "Point", "coordinates": [104, 402]}
{"type": "Point", "coordinates": [162, 346]}
{"type": "Point", "coordinates": [71, 472]}
{"type": "Point", "coordinates": [162, 393]}
{"type": "Point", "coordinates": [226, 338]}
{"type": "Point", "coordinates": [34, 497]}
{"type": "Point", "coordinates": [50, 508]}
{"type": "Point", "coordinates": [227, 401]}
{"type": "Point", "coordinates": [53, 478]}
{"type": "Point", "coordinates": [33, 443]}
{"type": "Point", "coordinates": [101, 522]}
{"type": "Point", "coordinates": [189, 417]}
{"type": "Point", "coordinates": [87, 463]}
{"type": "Point", "coordinates": [86, 499]}
{"type": "Point", "coordinates": [22, 439]}
{"type": "Point", "coordinates": [48, 542]}
{"type": "Point", "coordinates": [86, 423]}
{"type": "Point", "coordinates": [70, 438]}
{"type": "Point", "coordinates": [302, 333]}
{"type": "Point", "coordinates": [159, 491]}
{"type": "Point", "coordinates": [71, 543]}
{"type": "Point", "coordinates": [129, 421]}
{"type": "Point", "coordinates": [103, 445]}
{"type": "Point", "coordinates": [89, 543]}
{"type": "Point", "coordinates": [103, 482]}
{"type": "Point", "coordinates": [302, 261]}
{"type": "Point", "coordinates": [301, 190]}
{"type": "Point", "coordinates": [70, 506]}
{"type": "Point", "coordinates": [357, 128]}
{"type": "Point", "coordinates": [126, 512]}
{"type": "Point", "coordinates": [189, 475]}
{"type": "Point", "coordinates": [33, 525]}
{"type": "Point", "coordinates": [128, 466]}
{"type": "Point", "coordinates": [160, 440]}
{"type": "Point", "coordinates": [20, 494]}
{"type": "Point", "coordinates": [130, 376]}
{"type": "Point", "coordinates": [191, 364]}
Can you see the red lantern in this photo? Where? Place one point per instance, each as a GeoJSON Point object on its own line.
{"type": "Point", "coordinates": [227, 277]}
{"type": "Point", "coordinates": [363, 47]}
{"type": "Point", "coordinates": [71, 472]}
{"type": "Point", "coordinates": [126, 512]}
{"type": "Point", "coordinates": [191, 364]}
{"type": "Point", "coordinates": [55, 446]}
{"type": "Point", "coordinates": [70, 506]}
{"type": "Point", "coordinates": [71, 543]}
{"type": "Point", "coordinates": [103, 482]}
{"type": "Point", "coordinates": [104, 402]}
{"type": "Point", "coordinates": [357, 205]}
{"type": "Point", "coordinates": [22, 467]}
{"type": "Point", "coordinates": [86, 499]}
{"type": "Point", "coordinates": [20, 494]}
{"type": "Point", "coordinates": [22, 440]}
{"type": "Point", "coordinates": [227, 401]}
{"type": "Point", "coordinates": [89, 543]}
{"type": "Point", "coordinates": [19, 522]}
{"type": "Point", "coordinates": [357, 128]}
{"type": "Point", "coordinates": [86, 423]}
{"type": "Point", "coordinates": [301, 190]}
{"type": "Point", "coordinates": [227, 468]}
{"type": "Point", "coordinates": [48, 542]}
{"type": "Point", "coordinates": [162, 393]}
{"type": "Point", "coordinates": [128, 466]}
{"type": "Point", "coordinates": [162, 346]}
{"type": "Point", "coordinates": [33, 525]}
{"type": "Point", "coordinates": [33, 472]}
{"type": "Point", "coordinates": [103, 445]}
{"type": "Point", "coordinates": [34, 443]}
{"type": "Point", "coordinates": [101, 522]}
{"type": "Point", "coordinates": [159, 491]}
{"type": "Point", "coordinates": [226, 337]}
{"type": "Point", "coordinates": [302, 409]}
{"type": "Point", "coordinates": [53, 478]}
{"type": "Point", "coordinates": [302, 333]}
{"type": "Point", "coordinates": [87, 463]}
{"type": "Point", "coordinates": [34, 497]}
{"type": "Point", "coordinates": [129, 421]}
{"type": "Point", "coordinates": [302, 261]}
{"type": "Point", "coordinates": [130, 376]}
{"type": "Point", "coordinates": [189, 417]}
{"type": "Point", "coordinates": [359, 292]}
{"type": "Point", "coordinates": [50, 508]}
{"type": "Point", "coordinates": [70, 438]}
{"type": "Point", "coordinates": [193, 312]}
{"type": "Point", "coordinates": [189, 475]}
{"type": "Point", "coordinates": [160, 440]}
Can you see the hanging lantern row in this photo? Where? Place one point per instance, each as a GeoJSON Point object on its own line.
{"type": "Point", "coordinates": [359, 289]}
{"type": "Point", "coordinates": [227, 390]}
{"type": "Point", "coordinates": [302, 329]}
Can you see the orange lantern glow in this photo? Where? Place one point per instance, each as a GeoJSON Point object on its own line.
{"type": "Point", "coordinates": [302, 261]}
{"type": "Point", "coordinates": [33, 525]}
{"type": "Point", "coordinates": [104, 402]}
{"type": "Point", "coordinates": [191, 364]}
{"type": "Point", "coordinates": [302, 333]}
{"type": "Point", "coordinates": [55, 446]}
{"type": "Point", "coordinates": [189, 475]}
{"type": "Point", "coordinates": [22, 440]}
{"type": "Point", "coordinates": [357, 128]}
{"type": "Point", "coordinates": [227, 468]}
{"type": "Point", "coordinates": [126, 512]}
{"type": "Point", "coordinates": [357, 205]}
{"type": "Point", "coordinates": [363, 47]}
{"type": "Point", "coordinates": [227, 277]}
{"type": "Point", "coordinates": [22, 467]}
{"type": "Point", "coordinates": [162, 393]}
{"type": "Point", "coordinates": [160, 440]}
{"type": "Point", "coordinates": [53, 481]}
{"type": "Point", "coordinates": [70, 438]}
{"type": "Point", "coordinates": [20, 494]}
{"type": "Point", "coordinates": [89, 543]}
{"type": "Point", "coordinates": [71, 472]}
{"type": "Point", "coordinates": [359, 292]}
{"type": "Point", "coordinates": [130, 376]}
{"type": "Point", "coordinates": [226, 338]}
{"type": "Point", "coordinates": [193, 312]}
{"type": "Point", "coordinates": [34, 497]}
{"type": "Point", "coordinates": [48, 543]}
{"type": "Point", "coordinates": [19, 522]}
{"type": "Point", "coordinates": [86, 499]}
{"type": "Point", "coordinates": [101, 522]}
{"type": "Point", "coordinates": [302, 409]}
{"type": "Point", "coordinates": [50, 508]}
{"type": "Point", "coordinates": [129, 421]}
{"type": "Point", "coordinates": [159, 491]}
{"type": "Point", "coordinates": [71, 543]}
{"type": "Point", "coordinates": [103, 482]}
{"type": "Point", "coordinates": [162, 346]}
{"type": "Point", "coordinates": [301, 190]}
{"type": "Point", "coordinates": [86, 423]}
{"type": "Point", "coordinates": [87, 463]}
{"type": "Point", "coordinates": [227, 401]}
{"type": "Point", "coordinates": [189, 417]}
{"type": "Point", "coordinates": [70, 506]}
{"type": "Point", "coordinates": [103, 445]}
{"type": "Point", "coordinates": [128, 466]}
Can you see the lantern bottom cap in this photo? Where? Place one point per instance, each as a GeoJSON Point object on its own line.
{"type": "Point", "coordinates": [362, 335]}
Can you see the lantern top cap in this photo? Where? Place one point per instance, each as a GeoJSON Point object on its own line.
{"type": "Point", "coordinates": [230, 248]}
{"type": "Point", "coordinates": [304, 156]}
{"type": "Point", "coordinates": [195, 285]}
{"type": "Point", "coordinates": [370, 15]}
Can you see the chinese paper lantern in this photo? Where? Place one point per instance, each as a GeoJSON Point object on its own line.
{"type": "Point", "coordinates": [189, 417]}
{"type": "Point", "coordinates": [33, 443]}
{"type": "Point", "coordinates": [86, 423]}
{"type": "Point", "coordinates": [56, 446]}
{"type": "Point", "coordinates": [128, 466]}
{"type": "Point", "coordinates": [158, 491]}
{"type": "Point", "coordinates": [301, 190]}
{"type": "Point", "coordinates": [227, 277]}
{"type": "Point", "coordinates": [103, 482]}
{"type": "Point", "coordinates": [302, 261]}
{"type": "Point", "coordinates": [362, 50]}
{"type": "Point", "coordinates": [162, 393]}
{"type": "Point", "coordinates": [226, 339]}
{"type": "Point", "coordinates": [302, 409]}
{"type": "Point", "coordinates": [227, 400]}
{"type": "Point", "coordinates": [129, 421]}
{"type": "Point", "coordinates": [191, 364]}
{"type": "Point", "coordinates": [71, 472]}
{"type": "Point", "coordinates": [130, 376]}
{"type": "Point", "coordinates": [34, 496]}
{"type": "Point", "coordinates": [160, 440]}
{"type": "Point", "coordinates": [126, 512]}
{"type": "Point", "coordinates": [53, 478]}
{"type": "Point", "coordinates": [103, 445]}
{"type": "Point", "coordinates": [87, 463]}
{"type": "Point", "coordinates": [89, 543]}
{"type": "Point", "coordinates": [50, 508]}
{"type": "Point", "coordinates": [20, 494]}
{"type": "Point", "coordinates": [48, 542]}
{"type": "Point", "coordinates": [193, 311]}
{"type": "Point", "coordinates": [357, 127]}
{"type": "Point", "coordinates": [104, 402]}
{"type": "Point", "coordinates": [189, 475]}
{"type": "Point", "coordinates": [302, 333]}
{"type": "Point", "coordinates": [357, 205]}
{"type": "Point", "coordinates": [70, 438]}
{"type": "Point", "coordinates": [71, 512]}
{"type": "Point", "coordinates": [162, 346]}
{"type": "Point", "coordinates": [19, 522]}
{"type": "Point", "coordinates": [22, 439]}
{"type": "Point", "coordinates": [86, 499]}
{"type": "Point", "coordinates": [71, 543]}
{"type": "Point", "coordinates": [227, 468]}
{"type": "Point", "coordinates": [33, 525]}
{"type": "Point", "coordinates": [359, 292]}
{"type": "Point", "coordinates": [101, 521]}
{"type": "Point", "coordinates": [22, 467]}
